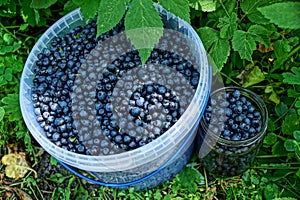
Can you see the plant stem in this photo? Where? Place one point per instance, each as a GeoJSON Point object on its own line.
{"type": "Point", "coordinates": [271, 156]}
{"type": "Point", "coordinates": [5, 29]}
{"type": "Point", "coordinates": [283, 186]}
{"type": "Point", "coordinates": [221, 2]}
{"type": "Point", "coordinates": [205, 177]}
{"type": "Point", "coordinates": [230, 79]}
{"type": "Point", "coordinates": [295, 50]}
{"type": "Point", "coordinates": [285, 112]}
{"type": "Point", "coordinates": [269, 167]}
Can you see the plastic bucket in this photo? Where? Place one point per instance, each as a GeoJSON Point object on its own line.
{"type": "Point", "coordinates": [144, 167]}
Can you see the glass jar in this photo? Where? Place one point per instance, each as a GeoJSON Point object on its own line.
{"type": "Point", "coordinates": [224, 157]}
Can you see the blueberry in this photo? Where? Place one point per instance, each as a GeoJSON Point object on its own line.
{"type": "Point", "coordinates": [136, 111]}
{"type": "Point", "coordinates": [236, 94]}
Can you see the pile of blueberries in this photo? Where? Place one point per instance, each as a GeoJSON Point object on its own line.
{"type": "Point", "coordinates": [74, 87]}
{"type": "Point", "coordinates": [232, 116]}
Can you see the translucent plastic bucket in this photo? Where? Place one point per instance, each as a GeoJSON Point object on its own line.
{"type": "Point", "coordinates": [144, 167]}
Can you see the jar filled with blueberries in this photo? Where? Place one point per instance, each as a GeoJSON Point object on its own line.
{"type": "Point", "coordinates": [231, 131]}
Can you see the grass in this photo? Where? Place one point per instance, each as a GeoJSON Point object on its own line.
{"type": "Point", "coordinates": [270, 68]}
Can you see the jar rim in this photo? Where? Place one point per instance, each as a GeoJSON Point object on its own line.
{"type": "Point", "coordinates": [259, 104]}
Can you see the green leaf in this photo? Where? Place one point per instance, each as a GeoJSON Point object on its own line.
{"type": "Point", "coordinates": [281, 49]}
{"type": "Point", "coordinates": [293, 93]}
{"type": "Point", "coordinates": [244, 44]}
{"type": "Point", "coordinates": [260, 34]}
{"type": "Point", "coordinates": [271, 191]}
{"type": "Point", "coordinates": [249, 7]}
{"type": "Point", "coordinates": [12, 107]}
{"type": "Point", "coordinates": [278, 149]}
{"type": "Point", "coordinates": [285, 15]}
{"type": "Point", "coordinates": [28, 14]}
{"type": "Point", "coordinates": [208, 5]}
{"type": "Point", "coordinates": [228, 26]}
{"type": "Point", "coordinates": [297, 174]}
{"type": "Point", "coordinates": [286, 198]}
{"type": "Point", "coordinates": [88, 8]}
{"type": "Point", "coordinates": [143, 27]}
{"type": "Point", "coordinates": [291, 145]}
{"type": "Point", "coordinates": [292, 78]}
{"type": "Point", "coordinates": [58, 178]}
{"type": "Point", "coordinates": [190, 177]}
{"type": "Point", "coordinates": [281, 109]}
{"type": "Point", "coordinates": [2, 113]}
{"type": "Point", "coordinates": [179, 8]}
{"type": "Point", "coordinates": [39, 4]}
{"type": "Point", "coordinates": [290, 124]}
{"type": "Point", "coordinates": [297, 135]}
{"type": "Point", "coordinates": [109, 15]}
{"type": "Point", "coordinates": [274, 97]}
{"type": "Point", "coordinates": [253, 77]}
{"type": "Point", "coordinates": [270, 139]}
{"type": "Point", "coordinates": [218, 49]}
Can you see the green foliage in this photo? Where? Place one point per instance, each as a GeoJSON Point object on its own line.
{"type": "Point", "coordinates": [38, 4]}
{"type": "Point", "coordinates": [109, 15]}
{"type": "Point", "coordinates": [190, 178]}
{"type": "Point", "coordinates": [178, 7]}
{"type": "Point", "coordinates": [285, 15]}
{"type": "Point", "coordinates": [244, 44]}
{"type": "Point", "coordinates": [252, 46]}
{"type": "Point", "coordinates": [143, 27]}
{"type": "Point", "coordinates": [292, 78]}
{"type": "Point", "coordinates": [218, 48]}
{"type": "Point", "coordinates": [88, 8]}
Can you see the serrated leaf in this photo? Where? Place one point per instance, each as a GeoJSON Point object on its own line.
{"type": "Point", "coordinates": [292, 78]}
{"type": "Point", "coordinates": [40, 4]}
{"type": "Point", "coordinates": [218, 49]}
{"type": "Point", "coordinates": [281, 109]}
{"type": "Point", "coordinates": [2, 113]}
{"type": "Point", "coordinates": [293, 93]}
{"type": "Point", "coordinates": [260, 34]}
{"type": "Point", "coordinates": [291, 145]}
{"type": "Point", "coordinates": [281, 49]}
{"type": "Point", "coordinates": [270, 139]}
{"type": "Point", "coordinates": [252, 77]}
{"type": "Point", "coordinates": [143, 27]}
{"type": "Point", "coordinates": [274, 97]}
{"type": "Point", "coordinates": [179, 8]}
{"type": "Point", "coordinates": [16, 165]}
{"type": "Point", "coordinates": [285, 15]}
{"type": "Point", "coordinates": [230, 6]}
{"type": "Point", "coordinates": [190, 177]}
{"type": "Point", "coordinates": [208, 5]}
{"type": "Point", "coordinates": [12, 107]}
{"type": "Point", "coordinates": [249, 7]}
{"type": "Point", "coordinates": [227, 26]}
{"type": "Point", "coordinates": [88, 8]}
{"type": "Point", "coordinates": [109, 15]}
{"type": "Point", "coordinates": [243, 43]}
{"type": "Point", "coordinates": [290, 124]}
{"type": "Point", "coordinates": [271, 191]}
{"type": "Point", "coordinates": [297, 135]}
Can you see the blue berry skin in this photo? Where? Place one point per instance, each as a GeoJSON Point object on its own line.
{"type": "Point", "coordinates": [236, 94]}
{"type": "Point", "coordinates": [135, 111]}
{"type": "Point", "coordinates": [242, 120]}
